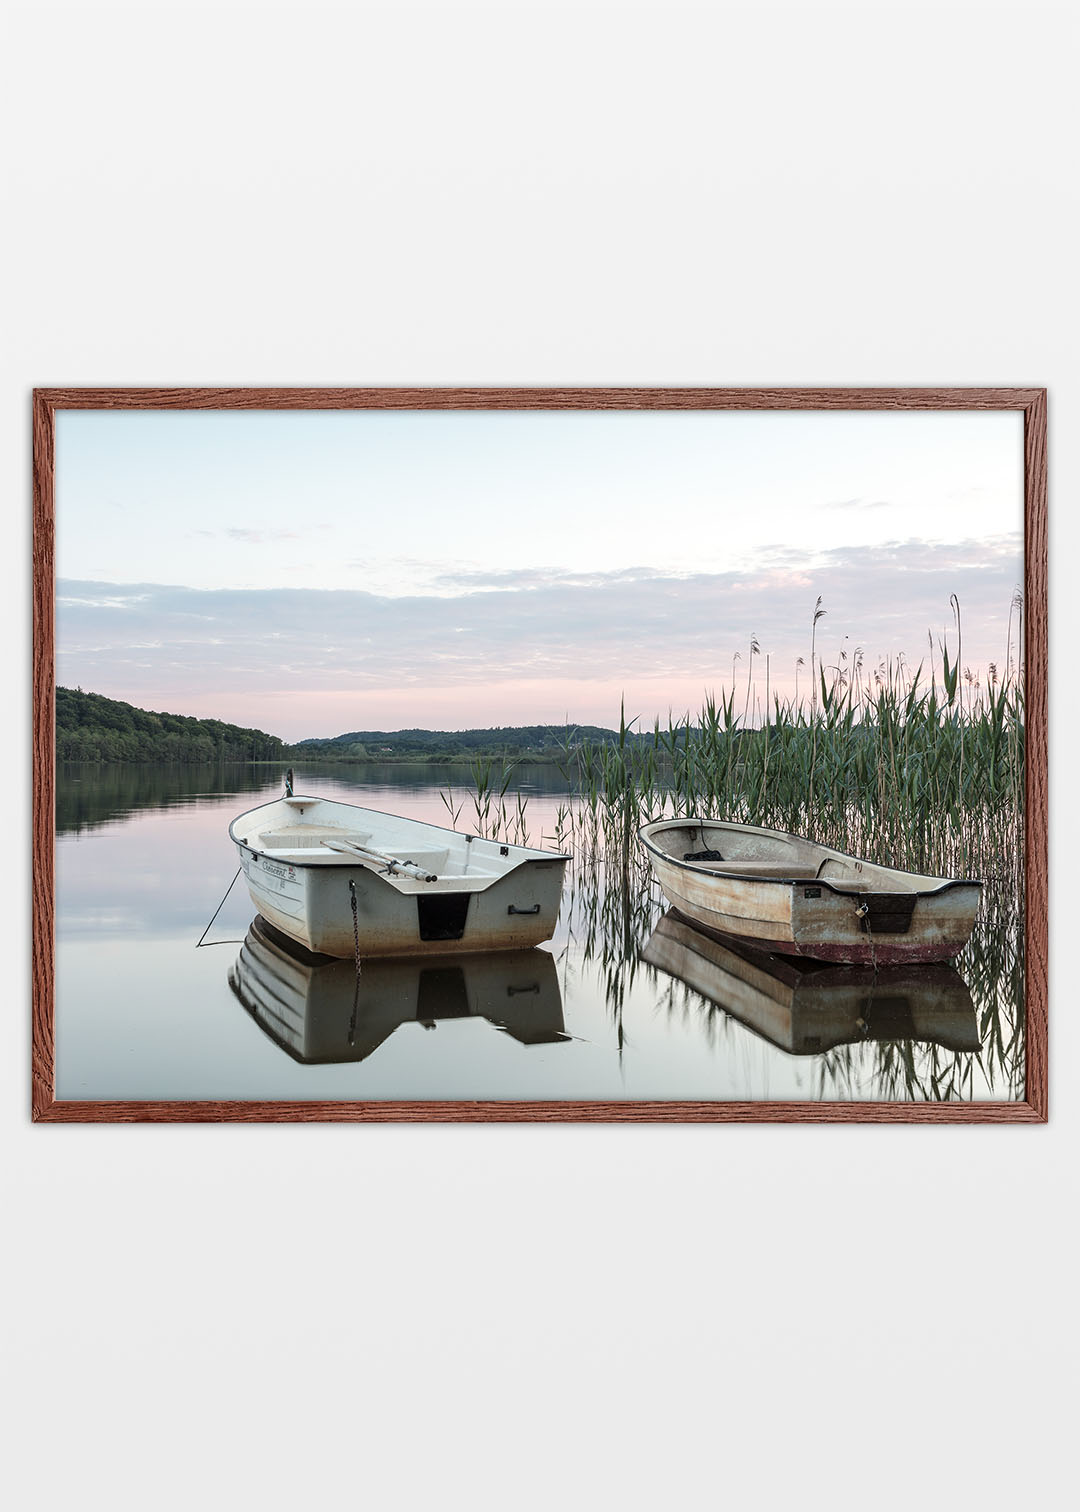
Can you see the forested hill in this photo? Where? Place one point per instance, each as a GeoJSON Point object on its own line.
{"type": "Point", "coordinates": [90, 727]}
{"type": "Point", "coordinates": [529, 742]}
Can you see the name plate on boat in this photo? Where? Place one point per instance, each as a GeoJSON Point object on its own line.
{"type": "Point", "coordinates": [276, 869]}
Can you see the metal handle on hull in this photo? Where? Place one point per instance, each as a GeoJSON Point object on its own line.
{"type": "Point", "coordinates": [535, 909]}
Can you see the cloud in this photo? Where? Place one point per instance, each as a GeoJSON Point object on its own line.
{"type": "Point", "coordinates": [858, 504]}
{"type": "Point", "coordinates": [542, 625]}
{"type": "Point", "coordinates": [246, 537]}
{"type": "Point", "coordinates": [103, 598]}
{"type": "Point", "coordinates": [470, 579]}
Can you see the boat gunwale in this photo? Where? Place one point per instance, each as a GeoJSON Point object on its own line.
{"type": "Point", "coordinates": [698, 870]}
{"type": "Point", "coordinates": [533, 853]}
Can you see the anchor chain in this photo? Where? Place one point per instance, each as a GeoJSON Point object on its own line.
{"type": "Point", "coordinates": [356, 950]}
{"type": "Point", "coordinates": [862, 911]}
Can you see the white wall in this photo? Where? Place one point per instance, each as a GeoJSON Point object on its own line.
{"type": "Point", "coordinates": [581, 194]}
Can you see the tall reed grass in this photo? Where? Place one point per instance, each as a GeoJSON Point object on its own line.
{"type": "Point", "coordinates": [918, 767]}
{"type": "Point", "coordinates": [921, 768]}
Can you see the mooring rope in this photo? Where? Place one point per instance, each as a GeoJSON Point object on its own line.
{"type": "Point", "coordinates": [217, 910]}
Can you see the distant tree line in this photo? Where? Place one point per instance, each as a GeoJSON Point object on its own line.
{"type": "Point", "coordinates": [522, 742]}
{"type": "Point", "coordinates": [90, 727]}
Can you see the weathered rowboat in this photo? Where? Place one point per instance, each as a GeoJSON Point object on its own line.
{"type": "Point", "coordinates": [335, 878]}
{"type": "Point", "coordinates": [807, 1007]}
{"type": "Point", "coordinates": [318, 1010]}
{"type": "Point", "coordinates": [789, 895]}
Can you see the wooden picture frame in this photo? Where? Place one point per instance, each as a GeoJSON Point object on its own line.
{"type": "Point", "coordinates": [1030, 402]}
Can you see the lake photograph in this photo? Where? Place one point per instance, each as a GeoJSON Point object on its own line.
{"type": "Point", "coordinates": [542, 756]}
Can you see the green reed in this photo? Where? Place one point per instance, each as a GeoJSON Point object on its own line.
{"type": "Point", "coordinates": [922, 769]}
{"type": "Point", "coordinates": [916, 767]}
{"type": "Point", "coordinates": [496, 814]}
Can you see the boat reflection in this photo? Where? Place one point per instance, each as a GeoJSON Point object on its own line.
{"type": "Point", "coordinates": [807, 1007]}
{"type": "Point", "coordinates": [318, 1011]}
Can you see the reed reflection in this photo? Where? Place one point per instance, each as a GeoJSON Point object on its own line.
{"type": "Point", "coordinates": [904, 1033]}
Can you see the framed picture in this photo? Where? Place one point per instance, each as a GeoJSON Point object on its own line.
{"type": "Point", "coordinates": [531, 754]}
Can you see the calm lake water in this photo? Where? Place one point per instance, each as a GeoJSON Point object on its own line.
{"type": "Point", "coordinates": [623, 1003]}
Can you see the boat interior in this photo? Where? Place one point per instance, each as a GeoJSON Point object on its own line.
{"type": "Point", "coordinates": [306, 842]}
{"type": "Point", "coordinates": [744, 852]}
{"type": "Point", "coordinates": [321, 832]}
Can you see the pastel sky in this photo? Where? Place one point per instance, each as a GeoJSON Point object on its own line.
{"type": "Point", "coordinates": [316, 572]}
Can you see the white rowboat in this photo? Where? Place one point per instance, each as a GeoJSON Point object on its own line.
{"type": "Point", "coordinates": [337, 878]}
{"type": "Point", "coordinates": [784, 894]}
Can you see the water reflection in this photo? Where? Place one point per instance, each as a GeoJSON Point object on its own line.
{"type": "Point", "coordinates": [808, 1007]}
{"type": "Point", "coordinates": [144, 859]}
{"type": "Point", "coordinates": [904, 1049]}
{"type": "Point", "coordinates": [319, 1010]}
{"type": "Point", "coordinates": [90, 795]}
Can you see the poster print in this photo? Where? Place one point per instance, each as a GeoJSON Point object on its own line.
{"type": "Point", "coordinates": [597, 754]}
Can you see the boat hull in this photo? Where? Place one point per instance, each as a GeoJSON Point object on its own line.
{"type": "Point", "coordinates": [486, 896]}
{"type": "Point", "coordinates": [314, 908]}
{"type": "Point", "coordinates": [868, 916]}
